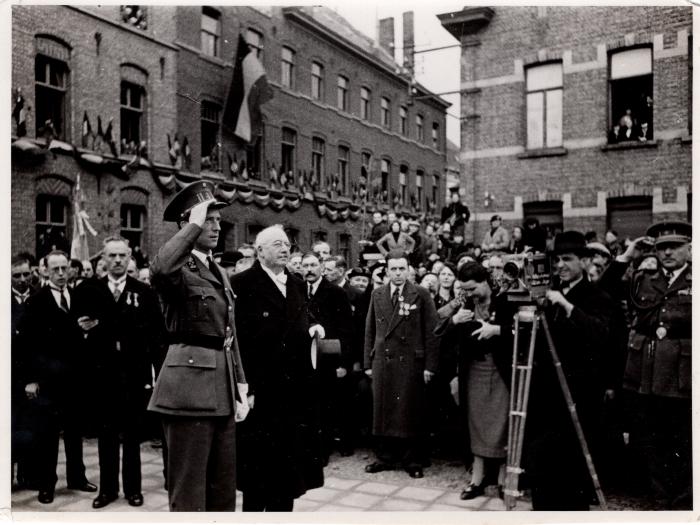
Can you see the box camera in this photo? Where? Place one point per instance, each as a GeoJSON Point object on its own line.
{"type": "Point", "coordinates": [527, 277]}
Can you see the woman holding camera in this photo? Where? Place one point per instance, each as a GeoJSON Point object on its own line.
{"type": "Point", "coordinates": [481, 329]}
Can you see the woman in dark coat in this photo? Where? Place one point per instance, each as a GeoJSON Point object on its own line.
{"type": "Point", "coordinates": [396, 240]}
{"type": "Point", "coordinates": [481, 329]}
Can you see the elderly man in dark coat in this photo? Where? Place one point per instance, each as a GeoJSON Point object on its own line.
{"type": "Point", "coordinates": [578, 317]}
{"type": "Point", "coordinates": [201, 388]}
{"type": "Point", "coordinates": [279, 445]}
{"type": "Point", "coordinates": [401, 356]}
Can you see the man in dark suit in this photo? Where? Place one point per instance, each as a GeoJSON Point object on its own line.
{"type": "Point", "coordinates": [51, 340]}
{"type": "Point", "coordinates": [578, 316]}
{"type": "Point", "coordinates": [330, 306]}
{"type": "Point", "coordinates": [201, 388]}
{"type": "Point", "coordinates": [401, 356]}
{"type": "Point", "coordinates": [123, 346]}
{"type": "Point", "coordinates": [279, 445]}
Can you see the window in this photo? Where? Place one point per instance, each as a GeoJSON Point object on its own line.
{"type": "Point", "coordinates": [365, 95]}
{"type": "Point", "coordinates": [51, 221]}
{"type": "Point", "coordinates": [211, 31]}
{"type": "Point", "coordinates": [419, 188]}
{"type": "Point", "coordinates": [132, 116]}
{"type": "Point", "coordinates": [210, 135]}
{"type": "Point", "coordinates": [256, 42]}
{"type": "Point", "coordinates": [252, 231]}
{"type": "Point", "coordinates": [255, 155]}
{"type": "Point", "coordinates": [436, 189]}
{"type": "Point", "coordinates": [133, 220]}
{"type": "Point", "coordinates": [631, 100]}
{"type": "Point", "coordinates": [134, 15]}
{"type": "Point", "coordinates": [403, 175]}
{"type": "Point", "coordinates": [342, 93]}
{"type": "Point", "coordinates": [289, 144]}
{"type": "Point", "coordinates": [403, 120]}
{"type": "Point", "coordinates": [385, 112]}
{"type": "Point", "coordinates": [345, 246]}
{"type": "Point", "coordinates": [629, 216]}
{"type": "Point", "coordinates": [51, 78]}
{"type": "Point", "coordinates": [287, 68]}
{"type": "Point", "coordinates": [318, 155]}
{"type": "Point", "coordinates": [365, 160]}
{"type": "Point", "coordinates": [435, 134]}
{"type": "Point", "coordinates": [544, 106]}
{"type": "Point", "coordinates": [319, 236]}
{"type": "Point", "coordinates": [386, 175]}
{"type": "Point", "coordinates": [420, 133]}
{"type": "Point", "coordinates": [316, 81]}
{"type": "Point", "coordinates": [343, 159]}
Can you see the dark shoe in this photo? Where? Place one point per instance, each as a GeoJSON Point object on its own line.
{"type": "Point", "coordinates": [415, 472]}
{"type": "Point", "coordinates": [103, 500]}
{"type": "Point", "coordinates": [45, 496]}
{"type": "Point", "coordinates": [135, 500]}
{"type": "Point", "coordinates": [473, 491]}
{"type": "Point", "coordinates": [85, 487]}
{"type": "Point", "coordinates": [373, 468]}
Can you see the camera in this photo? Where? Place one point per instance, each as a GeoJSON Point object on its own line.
{"type": "Point", "coordinates": [527, 276]}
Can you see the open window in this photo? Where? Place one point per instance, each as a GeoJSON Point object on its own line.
{"type": "Point", "coordinates": [631, 96]}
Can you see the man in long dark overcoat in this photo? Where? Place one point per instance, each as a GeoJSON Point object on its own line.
{"type": "Point", "coordinates": [201, 388]}
{"type": "Point", "coordinates": [401, 356]}
{"type": "Point", "coordinates": [279, 446]}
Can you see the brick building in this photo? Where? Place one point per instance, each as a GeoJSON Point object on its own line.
{"type": "Point", "coordinates": [547, 95]}
{"type": "Point", "coordinates": [341, 124]}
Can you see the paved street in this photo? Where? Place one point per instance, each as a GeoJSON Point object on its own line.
{"type": "Point", "coordinates": [347, 489]}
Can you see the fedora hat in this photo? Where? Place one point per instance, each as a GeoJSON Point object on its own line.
{"type": "Point", "coordinates": [188, 197]}
{"type": "Point", "coordinates": [570, 242]}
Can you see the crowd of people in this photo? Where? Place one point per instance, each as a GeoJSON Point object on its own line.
{"type": "Point", "coordinates": [299, 355]}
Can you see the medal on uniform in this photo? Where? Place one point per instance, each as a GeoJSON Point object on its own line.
{"type": "Point", "coordinates": [661, 332]}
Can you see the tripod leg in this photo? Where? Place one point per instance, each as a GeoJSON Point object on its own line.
{"type": "Point", "coordinates": [574, 415]}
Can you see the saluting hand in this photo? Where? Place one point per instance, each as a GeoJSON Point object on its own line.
{"type": "Point", "coordinates": [198, 214]}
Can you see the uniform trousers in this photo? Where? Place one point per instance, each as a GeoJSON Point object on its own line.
{"type": "Point", "coordinates": [201, 471]}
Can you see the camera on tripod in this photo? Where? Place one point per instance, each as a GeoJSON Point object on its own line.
{"type": "Point", "coordinates": [527, 277]}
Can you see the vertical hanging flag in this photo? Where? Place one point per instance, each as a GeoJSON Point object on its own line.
{"type": "Point", "coordinates": [87, 131]}
{"type": "Point", "coordinates": [19, 113]}
{"type": "Point", "coordinates": [79, 246]}
{"type": "Point", "coordinates": [249, 89]}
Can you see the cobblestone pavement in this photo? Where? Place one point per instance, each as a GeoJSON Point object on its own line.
{"type": "Point", "coordinates": [347, 489]}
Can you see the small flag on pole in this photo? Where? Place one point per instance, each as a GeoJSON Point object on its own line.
{"type": "Point", "coordinates": [19, 113]}
{"type": "Point", "coordinates": [249, 89]}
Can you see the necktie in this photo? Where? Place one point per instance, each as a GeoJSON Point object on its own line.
{"type": "Point", "coordinates": [116, 293]}
{"type": "Point", "coordinates": [213, 269]}
{"type": "Point", "coordinates": [667, 277]}
{"type": "Point", "coordinates": [311, 290]}
{"type": "Point", "coordinates": [64, 301]}
{"type": "Point", "coordinates": [395, 297]}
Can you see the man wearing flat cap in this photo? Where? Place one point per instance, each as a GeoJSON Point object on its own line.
{"type": "Point", "coordinates": [658, 369]}
{"type": "Point", "coordinates": [201, 389]}
{"type": "Point", "coordinates": [578, 315]}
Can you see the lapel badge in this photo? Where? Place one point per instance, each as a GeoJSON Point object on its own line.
{"type": "Point", "coordinates": [191, 264]}
{"type": "Point", "coordinates": [128, 298]}
{"type": "Point", "coordinates": [265, 314]}
{"type": "Point", "coordinates": [136, 300]}
{"type": "Point", "coordinates": [661, 332]}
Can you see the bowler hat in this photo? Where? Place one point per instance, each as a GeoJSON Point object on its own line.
{"type": "Point", "coordinates": [358, 272]}
{"type": "Point", "coordinates": [188, 197]}
{"type": "Point", "coordinates": [230, 258]}
{"type": "Point", "coordinates": [570, 242]}
{"type": "Point", "coordinates": [667, 232]}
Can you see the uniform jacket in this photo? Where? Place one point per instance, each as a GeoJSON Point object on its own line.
{"type": "Point", "coordinates": [330, 306]}
{"type": "Point", "coordinates": [125, 346]}
{"type": "Point", "coordinates": [397, 349]}
{"type": "Point", "coordinates": [278, 443]}
{"type": "Point", "coordinates": [660, 365]}
{"type": "Point", "coordinates": [199, 375]}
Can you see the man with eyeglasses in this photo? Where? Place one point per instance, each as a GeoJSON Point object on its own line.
{"type": "Point", "coordinates": [279, 445]}
{"type": "Point", "coordinates": [50, 338]}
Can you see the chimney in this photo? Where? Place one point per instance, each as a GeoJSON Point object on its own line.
{"type": "Point", "coordinates": [408, 42]}
{"type": "Point", "coordinates": [386, 35]}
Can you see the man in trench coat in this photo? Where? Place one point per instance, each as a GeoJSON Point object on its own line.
{"type": "Point", "coordinates": [401, 356]}
{"type": "Point", "coordinates": [201, 388]}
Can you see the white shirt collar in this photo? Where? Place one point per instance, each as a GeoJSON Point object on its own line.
{"type": "Point", "coordinates": [342, 283]}
{"type": "Point", "coordinates": [394, 287]}
{"type": "Point", "coordinates": [314, 286]}
{"type": "Point", "coordinates": [57, 292]}
{"type": "Point", "coordinates": [568, 286]}
{"type": "Point", "coordinates": [280, 279]}
{"type": "Point", "coordinates": [202, 256]}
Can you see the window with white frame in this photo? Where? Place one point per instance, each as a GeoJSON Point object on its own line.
{"type": "Point", "coordinates": [51, 224]}
{"type": "Point", "coordinates": [385, 112]}
{"type": "Point", "coordinates": [209, 113]}
{"type": "Point", "coordinates": [318, 159]}
{"type": "Point", "coordinates": [342, 93]}
{"type": "Point", "coordinates": [631, 96]}
{"type": "Point", "coordinates": [403, 175]}
{"type": "Point", "coordinates": [51, 95]}
{"type": "Point", "coordinates": [133, 219]}
{"type": "Point", "coordinates": [386, 174]}
{"type": "Point", "coordinates": [316, 81]}
{"type": "Point", "coordinates": [288, 67]}
{"type": "Point", "coordinates": [365, 95]}
{"type": "Point", "coordinates": [544, 85]}
{"type": "Point", "coordinates": [435, 135]}
{"type": "Point", "coordinates": [403, 120]}
{"type": "Point", "coordinates": [289, 144]}
{"type": "Point", "coordinates": [256, 42]}
{"type": "Point", "coordinates": [419, 188]}
{"type": "Point", "coordinates": [133, 109]}
{"type": "Point", "coordinates": [420, 131]}
{"type": "Point", "coordinates": [210, 31]}
{"type": "Point", "coordinates": [343, 162]}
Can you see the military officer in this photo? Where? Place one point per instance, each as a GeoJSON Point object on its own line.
{"type": "Point", "coordinates": [658, 368]}
{"type": "Point", "coordinates": [201, 389]}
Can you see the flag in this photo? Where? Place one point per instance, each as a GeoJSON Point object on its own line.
{"type": "Point", "coordinates": [19, 113]}
{"type": "Point", "coordinates": [187, 152]}
{"type": "Point", "coordinates": [109, 140]}
{"type": "Point", "coordinates": [79, 246]}
{"type": "Point", "coordinates": [87, 130]}
{"type": "Point", "coordinates": [174, 152]}
{"type": "Point", "coordinates": [248, 90]}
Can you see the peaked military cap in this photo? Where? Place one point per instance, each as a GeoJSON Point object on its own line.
{"type": "Point", "coordinates": [188, 197]}
{"type": "Point", "coordinates": [665, 232]}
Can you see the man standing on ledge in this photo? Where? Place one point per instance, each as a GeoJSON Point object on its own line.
{"type": "Point", "coordinates": [401, 357]}
{"type": "Point", "coordinates": [201, 389]}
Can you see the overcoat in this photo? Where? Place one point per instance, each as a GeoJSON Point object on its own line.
{"type": "Point", "coordinates": [199, 374]}
{"type": "Point", "coordinates": [398, 348]}
{"type": "Point", "coordinates": [279, 447]}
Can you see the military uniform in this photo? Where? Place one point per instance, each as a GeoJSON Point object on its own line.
{"type": "Point", "coordinates": [196, 389]}
{"type": "Point", "coordinates": [658, 376]}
